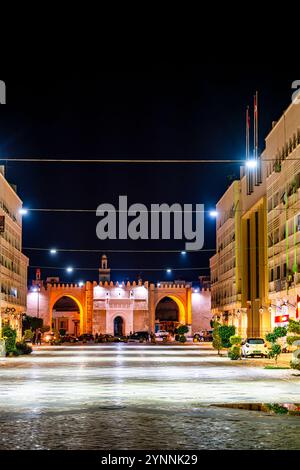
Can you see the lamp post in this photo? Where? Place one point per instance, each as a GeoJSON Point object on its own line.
{"type": "Point", "coordinates": [38, 302]}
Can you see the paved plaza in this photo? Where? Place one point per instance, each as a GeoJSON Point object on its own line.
{"type": "Point", "coordinates": [142, 397]}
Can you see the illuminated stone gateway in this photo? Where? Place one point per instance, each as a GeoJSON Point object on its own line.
{"type": "Point", "coordinates": [113, 308]}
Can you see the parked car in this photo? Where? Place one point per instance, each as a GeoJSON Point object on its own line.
{"type": "Point", "coordinates": [209, 336]}
{"type": "Point", "coordinates": [197, 338]}
{"type": "Point", "coordinates": [254, 347]}
{"type": "Point", "coordinates": [86, 337]}
{"type": "Point", "coordinates": [110, 339]}
{"type": "Point", "coordinates": [139, 337]}
{"type": "Point", "coordinates": [69, 339]}
{"type": "Point", "coordinates": [162, 335]}
{"type": "Point", "coordinates": [50, 337]}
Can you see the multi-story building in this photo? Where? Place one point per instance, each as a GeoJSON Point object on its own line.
{"type": "Point", "coordinates": [282, 155]}
{"type": "Point", "coordinates": [225, 265]}
{"type": "Point", "coordinates": [264, 277]}
{"type": "Point", "coordinates": [254, 317]}
{"type": "Point", "coordinates": [13, 263]}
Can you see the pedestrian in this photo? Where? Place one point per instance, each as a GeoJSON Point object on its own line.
{"type": "Point", "coordinates": [34, 337]}
{"type": "Point", "coordinates": [152, 336]}
{"type": "Point", "coordinates": [39, 338]}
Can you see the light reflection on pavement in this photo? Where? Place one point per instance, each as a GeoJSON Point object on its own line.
{"type": "Point", "coordinates": [134, 396]}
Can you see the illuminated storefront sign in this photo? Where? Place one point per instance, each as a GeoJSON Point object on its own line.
{"type": "Point", "coordinates": [282, 319]}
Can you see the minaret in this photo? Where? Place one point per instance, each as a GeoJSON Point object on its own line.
{"type": "Point", "coordinates": [104, 271]}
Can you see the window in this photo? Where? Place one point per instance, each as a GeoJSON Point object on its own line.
{"type": "Point", "coordinates": [278, 272]}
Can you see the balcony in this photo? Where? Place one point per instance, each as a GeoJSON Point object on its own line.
{"type": "Point", "coordinates": [278, 285]}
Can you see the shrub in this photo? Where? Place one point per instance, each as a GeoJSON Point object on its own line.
{"type": "Point", "coordinates": [23, 348]}
{"type": "Point", "coordinates": [291, 339]}
{"type": "Point", "coordinates": [235, 340]}
{"type": "Point", "coordinates": [294, 327]}
{"type": "Point", "coordinates": [225, 332]}
{"type": "Point", "coordinates": [181, 330]}
{"type": "Point", "coordinates": [294, 365]}
{"type": "Point", "coordinates": [278, 409]}
{"type": "Point", "coordinates": [295, 362]}
{"type": "Point", "coordinates": [234, 353]}
{"type": "Point", "coordinates": [10, 337]}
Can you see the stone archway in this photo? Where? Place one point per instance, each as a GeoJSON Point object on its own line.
{"type": "Point", "coordinates": [169, 313]}
{"type": "Point", "coordinates": [178, 302]}
{"type": "Point", "coordinates": [77, 302]}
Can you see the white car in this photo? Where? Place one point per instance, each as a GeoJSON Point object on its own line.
{"type": "Point", "coordinates": [161, 335]}
{"type": "Point", "coordinates": [254, 347]}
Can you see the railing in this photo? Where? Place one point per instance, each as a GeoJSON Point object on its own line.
{"type": "Point", "coordinates": [277, 286]}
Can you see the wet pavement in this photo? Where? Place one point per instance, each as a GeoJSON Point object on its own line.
{"type": "Point", "coordinates": [142, 397]}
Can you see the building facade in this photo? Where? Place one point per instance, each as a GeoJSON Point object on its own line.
{"type": "Point", "coordinates": [255, 316]}
{"type": "Point", "coordinates": [109, 307]}
{"type": "Point", "coordinates": [225, 265]}
{"type": "Point", "coordinates": [264, 276]}
{"type": "Point", "coordinates": [13, 263]}
{"type": "Point", "coordinates": [283, 206]}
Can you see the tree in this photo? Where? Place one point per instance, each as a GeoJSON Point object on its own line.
{"type": "Point", "coordinates": [31, 323]}
{"type": "Point", "coordinates": [217, 342]}
{"type": "Point", "coordinates": [225, 333]}
{"type": "Point", "coordinates": [276, 349]}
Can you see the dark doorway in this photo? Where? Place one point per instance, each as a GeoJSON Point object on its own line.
{"type": "Point", "coordinates": [66, 316]}
{"type": "Point", "coordinates": [118, 326]}
{"type": "Point", "coordinates": [167, 314]}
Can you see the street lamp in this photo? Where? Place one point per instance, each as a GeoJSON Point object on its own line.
{"type": "Point", "coordinates": [213, 214]}
{"type": "Point", "coordinates": [251, 164]}
{"type": "Point", "coordinates": [53, 251]}
{"type": "Point", "coordinates": [23, 211]}
{"type": "Point", "coordinates": [69, 269]}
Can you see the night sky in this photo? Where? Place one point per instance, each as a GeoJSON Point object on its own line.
{"type": "Point", "coordinates": [163, 111]}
